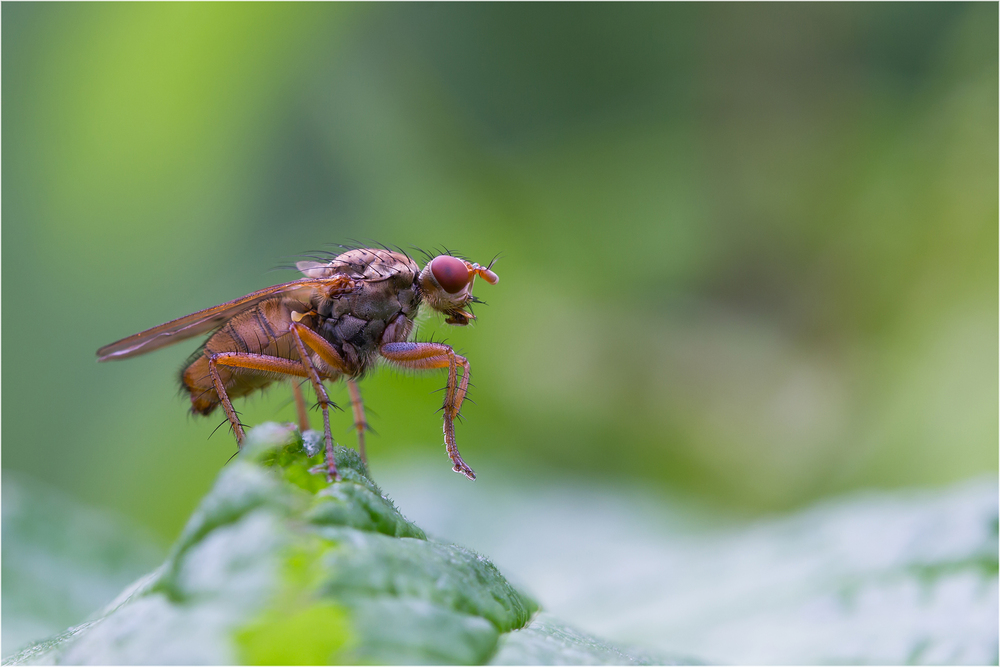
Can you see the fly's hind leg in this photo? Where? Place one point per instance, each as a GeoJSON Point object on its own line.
{"type": "Point", "coordinates": [437, 355]}
{"type": "Point", "coordinates": [360, 423]}
{"type": "Point", "coordinates": [227, 405]}
{"type": "Point", "coordinates": [260, 362]}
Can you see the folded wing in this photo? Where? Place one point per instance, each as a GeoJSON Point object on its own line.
{"type": "Point", "coordinates": [210, 319]}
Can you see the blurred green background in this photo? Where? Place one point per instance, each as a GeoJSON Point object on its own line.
{"type": "Point", "coordinates": [749, 251]}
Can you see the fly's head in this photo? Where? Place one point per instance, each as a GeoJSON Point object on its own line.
{"type": "Point", "coordinates": [446, 284]}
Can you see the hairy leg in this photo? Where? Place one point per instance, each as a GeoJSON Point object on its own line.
{"type": "Point", "coordinates": [303, 337]}
{"type": "Point", "coordinates": [422, 356]}
{"type": "Point", "coordinates": [260, 362]}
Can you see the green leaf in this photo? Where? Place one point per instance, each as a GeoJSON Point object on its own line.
{"type": "Point", "coordinates": [548, 642]}
{"type": "Point", "coordinates": [278, 567]}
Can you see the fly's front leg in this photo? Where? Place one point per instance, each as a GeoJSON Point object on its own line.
{"type": "Point", "coordinates": [422, 356]}
{"type": "Point", "coordinates": [304, 336]}
{"type": "Point", "coordinates": [360, 423]}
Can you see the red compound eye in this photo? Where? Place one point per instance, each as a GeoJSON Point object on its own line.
{"type": "Point", "coordinates": [450, 273]}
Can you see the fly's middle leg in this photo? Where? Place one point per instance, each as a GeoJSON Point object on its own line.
{"type": "Point", "coordinates": [303, 337]}
{"type": "Point", "coordinates": [300, 407]}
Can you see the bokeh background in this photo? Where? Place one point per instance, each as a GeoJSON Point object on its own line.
{"type": "Point", "coordinates": [749, 252]}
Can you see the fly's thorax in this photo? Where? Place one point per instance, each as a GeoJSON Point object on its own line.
{"type": "Point", "coordinates": [384, 284]}
{"type": "Point", "coordinates": [375, 300]}
{"type": "Point", "coordinates": [362, 319]}
{"type": "Point", "coordinates": [399, 329]}
{"type": "Point", "coordinates": [365, 264]}
{"type": "Point", "coordinates": [382, 305]}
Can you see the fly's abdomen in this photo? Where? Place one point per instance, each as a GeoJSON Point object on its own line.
{"type": "Point", "coordinates": [261, 330]}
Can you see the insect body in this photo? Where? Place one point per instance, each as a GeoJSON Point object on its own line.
{"type": "Point", "coordinates": [332, 324]}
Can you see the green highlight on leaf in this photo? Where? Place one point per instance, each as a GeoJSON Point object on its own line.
{"type": "Point", "coordinates": [309, 636]}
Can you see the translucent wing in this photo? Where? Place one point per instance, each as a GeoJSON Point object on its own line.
{"type": "Point", "coordinates": [212, 318]}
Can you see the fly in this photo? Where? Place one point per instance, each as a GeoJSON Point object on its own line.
{"type": "Point", "coordinates": [333, 324]}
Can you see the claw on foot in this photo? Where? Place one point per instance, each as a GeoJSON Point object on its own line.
{"type": "Point", "coordinates": [465, 470]}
